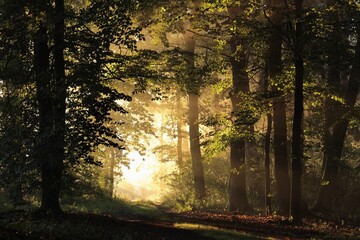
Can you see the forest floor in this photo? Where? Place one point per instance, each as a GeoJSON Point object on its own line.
{"type": "Point", "coordinates": [146, 221]}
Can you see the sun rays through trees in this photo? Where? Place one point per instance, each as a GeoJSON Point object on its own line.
{"type": "Point", "coordinates": [206, 108]}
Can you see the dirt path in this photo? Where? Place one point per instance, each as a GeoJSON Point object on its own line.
{"type": "Point", "coordinates": [261, 226]}
{"type": "Point", "coordinates": [166, 226]}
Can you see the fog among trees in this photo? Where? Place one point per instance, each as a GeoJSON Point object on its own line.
{"type": "Point", "coordinates": [179, 119]}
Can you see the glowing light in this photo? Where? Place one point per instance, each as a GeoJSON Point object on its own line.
{"type": "Point", "coordinates": [144, 179]}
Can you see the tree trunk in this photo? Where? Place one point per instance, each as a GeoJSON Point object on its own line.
{"type": "Point", "coordinates": [280, 128]}
{"type": "Point", "coordinates": [267, 143]}
{"type": "Point", "coordinates": [267, 165]}
{"type": "Point", "coordinates": [237, 193]}
{"type": "Point", "coordinates": [179, 129]}
{"type": "Point", "coordinates": [49, 174]}
{"type": "Point", "coordinates": [194, 134]}
{"type": "Point", "coordinates": [335, 136]}
{"type": "Point", "coordinates": [297, 138]}
{"type": "Point", "coordinates": [52, 114]}
{"type": "Point", "coordinates": [113, 156]}
{"type": "Point", "coordinates": [237, 183]}
{"type": "Point", "coordinates": [198, 171]}
{"type": "Point", "coordinates": [331, 106]}
{"type": "Point", "coordinates": [281, 155]}
{"type": "Point", "coordinates": [60, 84]}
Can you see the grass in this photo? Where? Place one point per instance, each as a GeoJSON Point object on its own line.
{"type": "Point", "coordinates": [90, 219]}
{"type": "Point", "coordinates": [145, 209]}
{"type": "Point", "coordinates": [95, 205]}
{"type": "Point", "coordinates": [114, 207]}
{"type": "Point", "coordinates": [217, 233]}
{"type": "Point", "coordinates": [105, 218]}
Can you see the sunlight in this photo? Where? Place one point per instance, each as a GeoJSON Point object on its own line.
{"type": "Point", "coordinates": [145, 178]}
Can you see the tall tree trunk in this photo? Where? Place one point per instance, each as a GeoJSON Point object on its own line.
{"type": "Point", "coordinates": [49, 168]}
{"type": "Point", "coordinates": [194, 133]}
{"type": "Point", "coordinates": [297, 138]}
{"type": "Point", "coordinates": [267, 144]}
{"type": "Point", "coordinates": [113, 156]}
{"type": "Point", "coordinates": [52, 167]}
{"type": "Point", "coordinates": [237, 183]}
{"type": "Point", "coordinates": [331, 106]}
{"type": "Point", "coordinates": [267, 165]}
{"type": "Point", "coordinates": [198, 171]}
{"type": "Point", "coordinates": [179, 129]}
{"type": "Point", "coordinates": [279, 118]}
{"type": "Point", "coordinates": [281, 155]}
{"type": "Point", "coordinates": [335, 135]}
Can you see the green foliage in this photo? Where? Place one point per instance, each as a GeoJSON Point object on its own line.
{"type": "Point", "coordinates": [182, 197]}
{"type": "Point", "coordinates": [91, 34]}
{"type": "Point", "coordinates": [100, 41]}
{"type": "Point", "coordinates": [190, 79]}
{"type": "Point", "coordinates": [102, 205]}
{"type": "Point", "coordinates": [18, 120]}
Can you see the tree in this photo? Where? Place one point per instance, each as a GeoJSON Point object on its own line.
{"type": "Point", "coordinates": [17, 140]}
{"type": "Point", "coordinates": [297, 138]}
{"type": "Point", "coordinates": [51, 97]}
{"type": "Point", "coordinates": [336, 124]}
{"type": "Point", "coordinates": [179, 128]}
{"type": "Point", "coordinates": [17, 115]}
{"type": "Point", "coordinates": [179, 17]}
{"type": "Point", "coordinates": [83, 97]}
{"type": "Point", "coordinates": [194, 134]}
{"type": "Point", "coordinates": [51, 169]}
{"type": "Point", "coordinates": [267, 165]}
{"type": "Point", "coordinates": [240, 84]}
{"type": "Point", "coordinates": [279, 110]}
{"type": "Point", "coordinates": [267, 144]}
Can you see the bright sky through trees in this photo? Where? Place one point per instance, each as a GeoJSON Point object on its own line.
{"type": "Point", "coordinates": [144, 178]}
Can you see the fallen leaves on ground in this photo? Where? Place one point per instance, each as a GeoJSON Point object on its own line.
{"type": "Point", "coordinates": [273, 226]}
{"type": "Point", "coordinates": [85, 226]}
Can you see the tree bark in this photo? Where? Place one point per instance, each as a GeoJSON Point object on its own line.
{"type": "Point", "coordinates": [60, 82]}
{"type": "Point", "coordinates": [267, 143]}
{"type": "Point", "coordinates": [237, 183]}
{"type": "Point", "coordinates": [267, 165]}
{"type": "Point", "coordinates": [194, 133]}
{"type": "Point", "coordinates": [49, 168]}
{"type": "Point", "coordinates": [297, 138]}
{"type": "Point", "coordinates": [198, 170]}
{"type": "Point", "coordinates": [51, 97]}
{"type": "Point", "coordinates": [331, 106]}
{"type": "Point", "coordinates": [282, 178]}
{"type": "Point", "coordinates": [280, 128]}
{"type": "Point", "coordinates": [179, 129]}
{"type": "Point", "coordinates": [113, 156]}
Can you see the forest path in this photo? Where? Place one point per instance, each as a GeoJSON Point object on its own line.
{"type": "Point", "coordinates": [152, 222]}
{"type": "Point", "coordinates": [227, 225]}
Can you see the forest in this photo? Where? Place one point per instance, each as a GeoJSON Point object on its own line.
{"type": "Point", "coordinates": [179, 119]}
